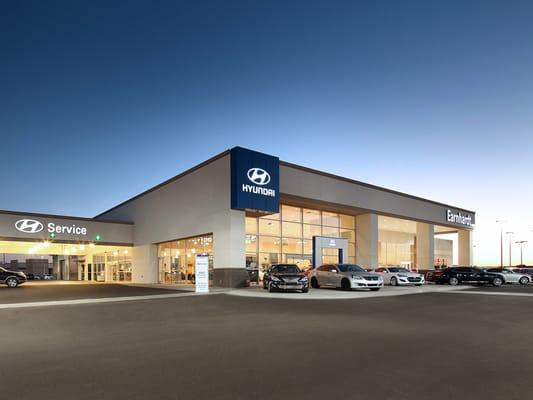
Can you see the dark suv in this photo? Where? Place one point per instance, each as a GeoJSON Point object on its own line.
{"type": "Point", "coordinates": [456, 275]}
{"type": "Point", "coordinates": [11, 278]}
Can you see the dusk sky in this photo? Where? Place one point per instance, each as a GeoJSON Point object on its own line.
{"type": "Point", "coordinates": [101, 100]}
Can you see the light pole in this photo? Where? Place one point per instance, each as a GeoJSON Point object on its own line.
{"type": "Point", "coordinates": [510, 244]}
{"type": "Point", "coordinates": [501, 221]}
{"type": "Point", "coordinates": [521, 243]}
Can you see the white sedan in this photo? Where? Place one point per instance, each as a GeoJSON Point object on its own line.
{"type": "Point", "coordinates": [396, 276]}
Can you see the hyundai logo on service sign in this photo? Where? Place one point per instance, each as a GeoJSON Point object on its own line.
{"type": "Point", "coordinates": [29, 226]}
{"type": "Point", "coordinates": [254, 181]}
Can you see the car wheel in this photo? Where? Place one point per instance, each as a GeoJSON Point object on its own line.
{"type": "Point", "coordinates": [524, 280]}
{"type": "Point", "coordinates": [270, 288]}
{"type": "Point", "coordinates": [305, 290]}
{"type": "Point", "coordinates": [314, 283]}
{"type": "Point", "coordinates": [453, 281]}
{"type": "Point", "coordinates": [393, 281]}
{"type": "Point", "coordinates": [345, 284]}
{"type": "Point", "coordinates": [265, 287]}
{"type": "Point", "coordinates": [12, 282]}
{"type": "Point", "coordinates": [497, 282]}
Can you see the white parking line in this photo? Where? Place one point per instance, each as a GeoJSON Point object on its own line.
{"type": "Point", "coordinates": [494, 293]}
{"type": "Point", "coordinates": [97, 300]}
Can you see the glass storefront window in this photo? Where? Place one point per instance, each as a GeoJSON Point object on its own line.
{"type": "Point", "coordinates": [330, 231]}
{"type": "Point", "coordinates": [330, 219]}
{"type": "Point", "coordinates": [251, 225]}
{"type": "Point", "coordinates": [177, 258]}
{"type": "Point", "coordinates": [289, 239]}
{"type": "Point", "coordinates": [291, 229]}
{"type": "Point", "coordinates": [292, 246]}
{"type": "Point", "coordinates": [251, 243]}
{"type": "Point", "coordinates": [311, 230]}
{"type": "Point", "coordinates": [308, 247]}
{"type": "Point", "coordinates": [271, 228]}
{"type": "Point", "coordinates": [269, 244]}
{"type": "Point", "coordinates": [348, 234]}
{"type": "Point", "coordinates": [291, 214]}
{"type": "Point", "coordinates": [311, 217]}
{"type": "Point", "coordinates": [347, 221]}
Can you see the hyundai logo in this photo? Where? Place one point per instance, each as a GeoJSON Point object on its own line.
{"type": "Point", "coordinates": [29, 226]}
{"type": "Point", "coordinates": [258, 176]}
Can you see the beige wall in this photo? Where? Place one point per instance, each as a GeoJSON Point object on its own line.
{"type": "Point", "coordinates": [195, 204]}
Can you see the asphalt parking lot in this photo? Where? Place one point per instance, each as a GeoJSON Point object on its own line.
{"type": "Point", "coordinates": [431, 345]}
{"type": "Point", "coordinates": [57, 291]}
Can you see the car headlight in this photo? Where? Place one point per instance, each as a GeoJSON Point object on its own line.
{"type": "Point", "coordinates": [276, 279]}
{"type": "Point", "coordinates": [303, 279]}
{"type": "Point", "coordinates": [402, 276]}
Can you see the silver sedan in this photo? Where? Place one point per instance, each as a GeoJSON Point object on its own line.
{"type": "Point", "coordinates": [346, 277]}
{"type": "Point", "coordinates": [510, 276]}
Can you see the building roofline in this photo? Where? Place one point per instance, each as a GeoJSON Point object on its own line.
{"type": "Point", "coordinates": [368, 185]}
{"type": "Point", "coordinates": [286, 164]}
{"type": "Point", "coordinates": [174, 178]}
{"type": "Point", "coordinates": [34, 214]}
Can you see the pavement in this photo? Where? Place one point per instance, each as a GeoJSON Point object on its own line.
{"type": "Point", "coordinates": [419, 346]}
{"type": "Point", "coordinates": [54, 291]}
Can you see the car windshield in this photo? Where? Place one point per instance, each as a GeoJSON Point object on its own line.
{"type": "Point", "coordinates": [398, 270]}
{"type": "Point", "coordinates": [286, 269]}
{"type": "Point", "coordinates": [350, 268]}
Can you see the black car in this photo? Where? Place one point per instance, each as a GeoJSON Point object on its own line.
{"type": "Point", "coordinates": [11, 278]}
{"type": "Point", "coordinates": [285, 277]}
{"type": "Point", "coordinates": [457, 275]}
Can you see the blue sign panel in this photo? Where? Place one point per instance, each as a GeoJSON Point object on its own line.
{"type": "Point", "coordinates": [254, 181]}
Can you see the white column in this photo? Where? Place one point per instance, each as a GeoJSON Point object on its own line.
{"type": "Point", "coordinates": [366, 240]}
{"type": "Point", "coordinates": [425, 246]}
{"type": "Point", "coordinates": [144, 264]}
{"type": "Point", "coordinates": [465, 245]}
{"type": "Point", "coordinates": [229, 248]}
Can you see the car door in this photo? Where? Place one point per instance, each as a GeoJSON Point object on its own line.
{"type": "Point", "coordinates": [384, 272]}
{"type": "Point", "coordinates": [322, 275]}
{"type": "Point", "coordinates": [335, 276]}
{"type": "Point", "coordinates": [466, 274]}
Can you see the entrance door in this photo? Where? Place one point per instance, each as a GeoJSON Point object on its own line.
{"type": "Point", "coordinates": [327, 250]}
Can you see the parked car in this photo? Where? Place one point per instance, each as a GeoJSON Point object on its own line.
{"type": "Point", "coordinates": [346, 277]}
{"type": "Point", "coordinates": [11, 278]}
{"type": "Point", "coordinates": [525, 270]}
{"type": "Point", "coordinates": [285, 277]}
{"type": "Point", "coordinates": [456, 275]}
{"type": "Point", "coordinates": [48, 277]}
{"type": "Point", "coordinates": [511, 276]}
{"type": "Point", "coordinates": [397, 276]}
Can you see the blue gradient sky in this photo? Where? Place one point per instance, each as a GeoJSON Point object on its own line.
{"type": "Point", "coordinates": [98, 102]}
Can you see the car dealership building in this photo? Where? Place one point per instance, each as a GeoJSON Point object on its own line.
{"type": "Point", "coordinates": [245, 210]}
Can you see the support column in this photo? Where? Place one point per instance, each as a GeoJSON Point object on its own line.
{"type": "Point", "coordinates": [425, 246]}
{"type": "Point", "coordinates": [366, 240]}
{"type": "Point", "coordinates": [144, 262]}
{"type": "Point", "coordinates": [465, 244]}
{"type": "Point", "coordinates": [229, 251]}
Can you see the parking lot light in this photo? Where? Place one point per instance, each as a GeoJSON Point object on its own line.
{"type": "Point", "coordinates": [521, 243]}
{"type": "Point", "coordinates": [510, 246]}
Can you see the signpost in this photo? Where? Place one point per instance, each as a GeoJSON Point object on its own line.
{"type": "Point", "coordinates": [202, 273]}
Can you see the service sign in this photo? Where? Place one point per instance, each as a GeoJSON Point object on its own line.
{"type": "Point", "coordinates": [201, 272]}
{"type": "Point", "coordinates": [254, 181]}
